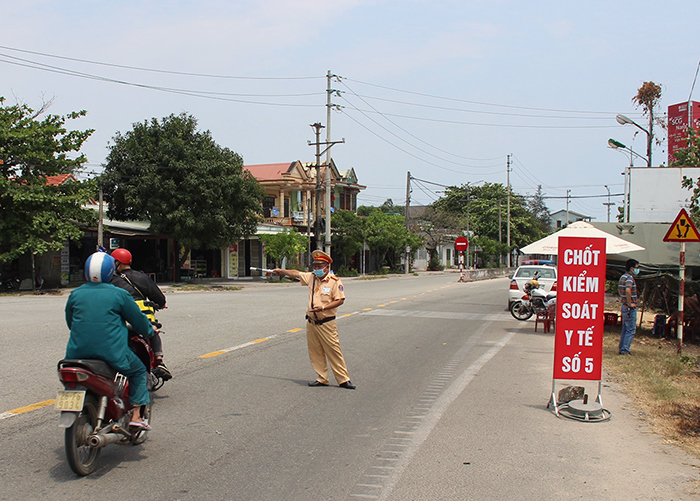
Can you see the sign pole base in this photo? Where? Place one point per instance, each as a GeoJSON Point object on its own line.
{"type": "Point", "coordinates": [572, 406]}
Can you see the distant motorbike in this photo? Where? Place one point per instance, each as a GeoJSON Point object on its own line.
{"type": "Point", "coordinates": [10, 283]}
{"type": "Point", "coordinates": [95, 406]}
{"type": "Point", "coordinates": [535, 300]}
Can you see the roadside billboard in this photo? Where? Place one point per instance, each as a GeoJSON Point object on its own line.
{"type": "Point", "coordinates": [678, 122]}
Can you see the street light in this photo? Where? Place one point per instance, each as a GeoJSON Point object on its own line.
{"type": "Point", "coordinates": [623, 120]}
{"type": "Point", "coordinates": [617, 145]}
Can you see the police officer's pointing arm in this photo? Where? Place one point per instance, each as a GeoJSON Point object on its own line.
{"type": "Point", "coordinates": [287, 273]}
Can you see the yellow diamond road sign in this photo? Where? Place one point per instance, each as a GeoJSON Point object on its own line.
{"type": "Point", "coordinates": [682, 229]}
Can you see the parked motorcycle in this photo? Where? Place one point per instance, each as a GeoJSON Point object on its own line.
{"type": "Point", "coordinates": [535, 300]}
{"type": "Point", "coordinates": [95, 407]}
{"type": "Point", "coordinates": [10, 283]}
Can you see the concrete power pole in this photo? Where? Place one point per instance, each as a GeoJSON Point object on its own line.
{"type": "Point", "coordinates": [317, 198]}
{"type": "Point", "coordinates": [408, 226]}
{"type": "Point", "coordinates": [329, 143]}
{"type": "Point", "coordinates": [609, 203]}
{"type": "Point", "coordinates": [328, 163]}
{"type": "Point", "coordinates": [510, 254]}
{"type": "Point", "coordinates": [320, 187]}
{"type": "Point", "coordinates": [100, 221]}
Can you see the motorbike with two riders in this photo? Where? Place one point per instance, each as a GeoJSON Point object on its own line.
{"type": "Point", "coordinates": [95, 408]}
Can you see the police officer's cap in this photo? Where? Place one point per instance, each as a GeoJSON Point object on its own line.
{"type": "Point", "coordinates": [319, 255]}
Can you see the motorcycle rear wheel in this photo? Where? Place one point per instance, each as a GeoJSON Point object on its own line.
{"type": "Point", "coordinates": [520, 311]}
{"type": "Point", "coordinates": [81, 457]}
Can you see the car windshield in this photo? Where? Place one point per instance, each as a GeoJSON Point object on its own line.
{"type": "Point", "coordinates": [530, 272]}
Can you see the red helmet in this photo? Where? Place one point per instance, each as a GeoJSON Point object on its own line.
{"type": "Point", "coordinates": [122, 255]}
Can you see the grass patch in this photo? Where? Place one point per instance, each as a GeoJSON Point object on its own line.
{"type": "Point", "coordinates": [372, 277]}
{"type": "Point", "coordinates": [663, 385]}
{"type": "Point", "coordinates": [190, 287]}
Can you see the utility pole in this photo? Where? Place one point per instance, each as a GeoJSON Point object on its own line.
{"type": "Point", "coordinates": [317, 198]}
{"type": "Point", "coordinates": [408, 228]}
{"type": "Point", "coordinates": [100, 224]}
{"type": "Point", "coordinates": [500, 231]}
{"type": "Point", "coordinates": [609, 203]}
{"type": "Point", "coordinates": [328, 164]}
{"type": "Point", "coordinates": [319, 187]}
{"type": "Point", "coordinates": [568, 197]}
{"type": "Point", "coordinates": [329, 143]}
{"type": "Point", "coordinates": [510, 254]}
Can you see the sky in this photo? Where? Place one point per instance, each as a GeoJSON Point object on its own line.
{"type": "Point", "coordinates": [445, 90]}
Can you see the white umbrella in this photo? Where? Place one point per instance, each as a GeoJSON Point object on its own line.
{"type": "Point", "coordinates": [550, 243]}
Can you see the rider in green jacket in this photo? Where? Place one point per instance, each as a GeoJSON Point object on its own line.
{"type": "Point", "coordinates": [96, 313]}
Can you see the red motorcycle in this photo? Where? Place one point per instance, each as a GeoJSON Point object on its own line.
{"type": "Point", "coordinates": [95, 407]}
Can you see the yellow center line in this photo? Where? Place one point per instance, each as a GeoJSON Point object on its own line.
{"type": "Point", "coordinates": [213, 354]}
{"type": "Point", "coordinates": [367, 309]}
{"type": "Point", "coordinates": [37, 405]}
{"type": "Point", "coordinates": [381, 305]}
{"type": "Point", "coordinates": [392, 302]}
{"type": "Point", "coordinates": [52, 401]}
{"type": "Point", "coordinates": [403, 299]}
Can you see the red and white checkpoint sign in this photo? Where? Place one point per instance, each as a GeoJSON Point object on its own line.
{"type": "Point", "coordinates": [578, 346]}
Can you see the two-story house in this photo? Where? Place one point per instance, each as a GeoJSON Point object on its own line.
{"type": "Point", "coordinates": [290, 190]}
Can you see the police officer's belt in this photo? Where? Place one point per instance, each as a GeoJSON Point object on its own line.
{"type": "Point", "coordinates": [319, 322]}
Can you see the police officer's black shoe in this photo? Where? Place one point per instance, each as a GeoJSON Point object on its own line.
{"type": "Point", "coordinates": [317, 383]}
{"type": "Point", "coordinates": [348, 385]}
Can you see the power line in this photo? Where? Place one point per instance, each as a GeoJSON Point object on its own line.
{"type": "Point", "coordinates": [407, 132]}
{"type": "Point", "coordinates": [152, 70]}
{"type": "Point", "coordinates": [187, 92]}
{"type": "Point", "coordinates": [405, 151]}
{"type": "Point", "coordinates": [608, 113]}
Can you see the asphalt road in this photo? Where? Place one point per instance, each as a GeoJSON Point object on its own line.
{"type": "Point", "coordinates": [450, 405]}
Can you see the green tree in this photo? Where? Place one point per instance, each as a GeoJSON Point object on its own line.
{"type": "Point", "coordinates": [488, 215]}
{"type": "Point", "coordinates": [539, 209]}
{"type": "Point", "coordinates": [690, 157]}
{"type": "Point", "coordinates": [183, 182]}
{"type": "Point", "coordinates": [387, 238]}
{"type": "Point", "coordinates": [348, 236]}
{"type": "Point", "coordinates": [437, 227]}
{"type": "Point", "coordinates": [36, 216]}
{"type": "Point", "coordinates": [388, 207]}
{"type": "Point", "coordinates": [287, 244]}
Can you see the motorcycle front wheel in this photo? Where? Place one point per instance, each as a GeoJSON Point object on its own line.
{"type": "Point", "coordinates": [81, 457]}
{"type": "Point", "coordinates": [520, 311]}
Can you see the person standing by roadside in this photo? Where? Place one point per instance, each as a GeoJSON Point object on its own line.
{"type": "Point", "coordinates": [326, 294]}
{"type": "Point", "coordinates": [627, 287]}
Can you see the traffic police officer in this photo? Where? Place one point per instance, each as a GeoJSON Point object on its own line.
{"type": "Point", "coordinates": [326, 294]}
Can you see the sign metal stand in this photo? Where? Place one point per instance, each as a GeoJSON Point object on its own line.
{"type": "Point", "coordinates": [578, 347]}
{"type": "Point", "coordinates": [461, 244]}
{"type": "Point", "coordinates": [682, 230]}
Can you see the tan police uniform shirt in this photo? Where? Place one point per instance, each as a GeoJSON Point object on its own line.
{"type": "Point", "coordinates": [321, 292]}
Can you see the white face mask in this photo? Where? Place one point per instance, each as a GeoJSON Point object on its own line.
{"type": "Point", "coordinates": [635, 271]}
{"type": "Point", "coordinates": [320, 273]}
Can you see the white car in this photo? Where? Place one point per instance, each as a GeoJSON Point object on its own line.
{"type": "Point", "coordinates": [546, 277]}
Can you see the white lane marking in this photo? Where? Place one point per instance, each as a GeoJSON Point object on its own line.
{"type": "Point", "coordinates": [449, 315]}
